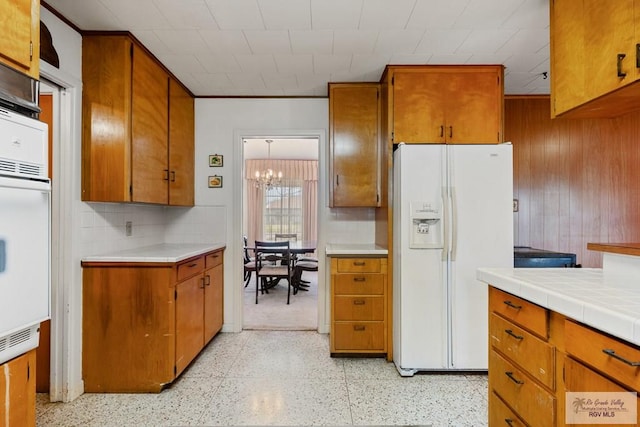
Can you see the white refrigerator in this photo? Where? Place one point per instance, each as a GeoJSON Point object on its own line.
{"type": "Point", "coordinates": [453, 213]}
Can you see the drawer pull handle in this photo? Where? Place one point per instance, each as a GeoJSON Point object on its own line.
{"type": "Point", "coordinates": [512, 305]}
{"type": "Point", "coordinates": [359, 263]}
{"type": "Point", "coordinates": [207, 280]}
{"type": "Point", "coordinates": [359, 279]}
{"type": "Point", "coordinates": [358, 328]}
{"type": "Point", "coordinates": [358, 302]}
{"type": "Point", "coordinates": [509, 421]}
{"type": "Point", "coordinates": [510, 333]}
{"type": "Point", "coordinates": [514, 379]}
{"type": "Point", "coordinates": [192, 265]}
{"type": "Point", "coordinates": [620, 358]}
{"type": "Point", "coordinates": [202, 283]}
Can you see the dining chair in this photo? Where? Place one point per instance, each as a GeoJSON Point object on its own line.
{"type": "Point", "coordinates": [273, 263]}
{"type": "Point", "coordinates": [299, 268]}
{"type": "Point", "coordinates": [249, 263]}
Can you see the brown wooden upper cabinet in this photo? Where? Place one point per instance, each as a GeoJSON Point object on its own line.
{"type": "Point", "coordinates": [594, 58]}
{"type": "Point", "coordinates": [445, 104]}
{"type": "Point", "coordinates": [134, 115]}
{"type": "Point", "coordinates": [20, 41]}
{"type": "Point", "coordinates": [355, 144]}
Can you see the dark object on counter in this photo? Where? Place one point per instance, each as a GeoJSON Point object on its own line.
{"type": "Point", "coordinates": [527, 257]}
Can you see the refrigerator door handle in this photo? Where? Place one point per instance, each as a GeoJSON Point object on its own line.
{"type": "Point", "coordinates": [454, 224]}
{"type": "Point", "coordinates": [445, 223]}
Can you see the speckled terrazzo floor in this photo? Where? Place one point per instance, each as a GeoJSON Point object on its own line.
{"type": "Point", "coordinates": [283, 378]}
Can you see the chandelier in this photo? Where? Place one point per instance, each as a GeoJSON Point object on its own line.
{"type": "Point", "coordinates": [267, 178]}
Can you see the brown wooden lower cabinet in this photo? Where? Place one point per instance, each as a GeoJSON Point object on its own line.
{"type": "Point", "coordinates": [143, 323]}
{"type": "Point", "coordinates": [359, 305]}
{"type": "Point", "coordinates": [537, 355]}
{"type": "Point", "coordinates": [18, 391]}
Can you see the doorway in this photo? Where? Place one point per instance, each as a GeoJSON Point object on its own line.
{"type": "Point", "coordinates": [286, 208]}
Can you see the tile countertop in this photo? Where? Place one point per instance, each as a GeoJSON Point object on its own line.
{"type": "Point", "coordinates": [606, 302]}
{"type": "Point", "coordinates": [355, 249]}
{"type": "Point", "coordinates": [165, 252]}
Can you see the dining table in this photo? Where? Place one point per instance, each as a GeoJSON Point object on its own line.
{"type": "Point", "coordinates": [298, 247]}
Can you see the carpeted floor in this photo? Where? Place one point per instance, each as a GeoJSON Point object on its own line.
{"type": "Point", "coordinates": [272, 311]}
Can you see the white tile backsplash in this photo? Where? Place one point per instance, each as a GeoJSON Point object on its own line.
{"type": "Point", "coordinates": [103, 226]}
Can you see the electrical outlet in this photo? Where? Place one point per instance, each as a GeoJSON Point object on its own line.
{"type": "Point", "coordinates": [515, 205]}
{"type": "Point", "coordinates": [128, 228]}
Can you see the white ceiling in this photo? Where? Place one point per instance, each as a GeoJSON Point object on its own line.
{"type": "Point", "coordinates": [294, 47]}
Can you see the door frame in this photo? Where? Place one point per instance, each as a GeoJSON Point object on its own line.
{"type": "Point", "coordinates": [238, 206]}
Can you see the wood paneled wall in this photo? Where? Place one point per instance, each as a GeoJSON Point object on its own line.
{"type": "Point", "coordinates": [577, 181]}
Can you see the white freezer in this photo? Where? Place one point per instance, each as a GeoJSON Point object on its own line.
{"type": "Point", "coordinates": [452, 214]}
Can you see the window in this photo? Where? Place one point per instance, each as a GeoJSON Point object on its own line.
{"type": "Point", "coordinates": [282, 211]}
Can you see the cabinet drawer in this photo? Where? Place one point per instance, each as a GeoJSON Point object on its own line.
{"type": "Point", "coordinates": [359, 265]}
{"type": "Point", "coordinates": [213, 259]}
{"type": "Point", "coordinates": [521, 312]}
{"type": "Point", "coordinates": [358, 284]}
{"type": "Point", "coordinates": [535, 405]}
{"type": "Point", "coordinates": [531, 353]}
{"type": "Point", "coordinates": [589, 346]}
{"type": "Point", "coordinates": [501, 415]}
{"type": "Point", "coordinates": [358, 308]}
{"type": "Point", "coordinates": [358, 336]}
{"type": "Point", "coordinates": [190, 268]}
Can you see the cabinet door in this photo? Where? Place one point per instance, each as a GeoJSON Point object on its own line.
{"type": "Point", "coordinates": [579, 378]}
{"type": "Point", "coordinates": [18, 391]}
{"type": "Point", "coordinates": [20, 41]}
{"type": "Point", "coordinates": [150, 118]}
{"type": "Point", "coordinates": [354, 137]}
{"type": "Point", "coordinates": [418, 107]}
{"type": "Point", "coordinates": [567, 55]}
{"type": "Point", "coordinates": [609, 32]}
{"type": "Point", "coordinates": [473, 106]}
{"type": "Point", "coordinates": [189, 321]}
{"type": "Point", "coordinates": [213, 312]}
{"type": "Point", "coordinates": [106, 119]}
{"type": "Point", "coordinates": [181, 145]}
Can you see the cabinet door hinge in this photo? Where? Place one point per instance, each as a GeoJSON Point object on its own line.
{"type": "Point", "coordinates": [30, 51]}
{"type": "Point", "coordinates": [392, 136]}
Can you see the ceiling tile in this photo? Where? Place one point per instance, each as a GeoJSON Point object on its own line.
{"type": "Point", "coordinates": [213, 80]}
{"type": "Point", "coordinates": [256, 63]}
{"type": "Point", "coordinates": [186, 14]}
{"type": "Point", "coordinates": [369, 63]}
{"type": "Point", "coordinates": [294, 63]}
{"type": "Point", "coordinates": [151, 41]}
{"type": "Point", "coordinates": [316, 41]}
{"type": "Point", "coordinates": [485, 41]}
{"type": "Point", "coordinates": [129, 13]}
{"type": "Point", "coordinates": [442, 41]}
{"type": "Point", "coordinates": [247, 81]}
{"type": "Point", "coordinates": [398, 41]}
{"type": "Point", "coordinates": [432, 14]}
{"type": "Point", "coordinates": [409, 59]}
{"type": "Point", "coordinates": [331, 63]}
{"type": "Point", "coordinates": [279, 81]}
{"type": "Point", "coordinates": [236, 14]}
{"type": "Point", "coordinates": [525, 63]}
{"type": "Point", "coordinates": [483, 14]}
{"type": "Point", "coordinates": [182, 41]}
{"type": "Point", "coordinates": [449, 59]}
{"type": "Point", "coordinates": [261, 42]}
{"type": "Point", "coordinates": [286, 14]}
{"type": "Point", "coordinates": [354, 41]}
{"type": "Point", "coordinates": [487, 59]}
{"type": "Point", "coordinates": [220, 63]}
{"type": "Point", "coordinates": [532, 14]}
{"type": "Point", "coordinates": [90, 15]}
{"type": "Point", "coordinates": [229, 41]}
{"type": "Point", "coordinates": [182, 64]}
{"type": "Point", "coordinates": [384, 14]}
{"type": "Point", "coordinates": [526, 41]}
{"type": "Point", "coordinates": [335, 14]}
